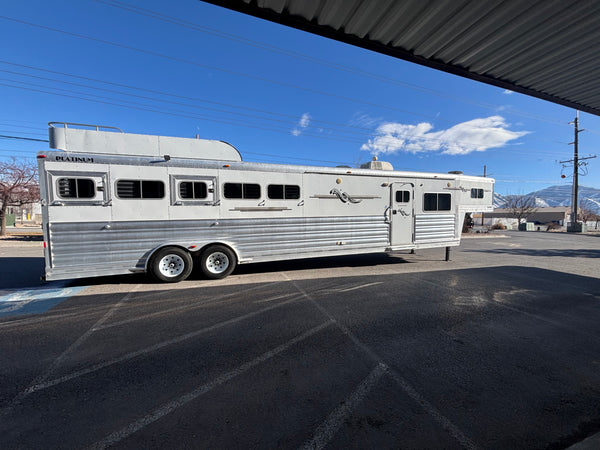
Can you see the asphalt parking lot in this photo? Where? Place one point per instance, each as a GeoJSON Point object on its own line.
{"type": "Point", "coordinates": [498, 348]}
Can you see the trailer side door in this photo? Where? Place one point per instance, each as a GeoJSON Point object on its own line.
{"type": "Point", "coordinates": [401, 213]}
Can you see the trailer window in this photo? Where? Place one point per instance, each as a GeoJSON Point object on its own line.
{"type": "Point", "coordinates": [476, 193]}
{"type": "Point", "coordinates": [76, 188]}
{"type": "Point", "coordinates": [281, 192]}
{"type": "Point", "coordinates": [402, 196]}
{"type": "Point", "coordinates": [437, 202]}
{"type": "Point", "coordinates": [241, 190]}
{"type": "Point", "coordinates": [140, 189]}
{"type": "Point", "coordinates": [193, 190]}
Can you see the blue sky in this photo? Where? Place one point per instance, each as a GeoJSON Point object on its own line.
{"type": "Point", "coordinates": [277, 94]}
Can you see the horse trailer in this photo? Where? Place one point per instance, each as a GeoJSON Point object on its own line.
{"type": "Point", "coordinates": [116, 203]}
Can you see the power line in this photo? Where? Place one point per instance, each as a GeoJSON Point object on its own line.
{"type": "Point", "coordinates": [21, 126]}
{"type": "Point", "coordinates": [409, 137]}
{"type": "Point", "coordinates": [2, 136]}
{"type": "Point", "coordinates": [22, 132]}
{"type": "Point", "coordinates": [231, 72]}
{"type": "Point", "coordinates": [366, 132]}
{"type": "Point", "coordinates": [312, 59]}
{"type": "Point", "coordinates": [295, 118]}
{"type": "Point", "coordinates": [145, 107]}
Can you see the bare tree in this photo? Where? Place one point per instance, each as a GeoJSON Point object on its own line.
{"type": "Point", "coordinates": [586, 211]}
{"type": "Point", "coordinates": [18, 186]}
{"type": "Point", "coordinates": [521, 206]}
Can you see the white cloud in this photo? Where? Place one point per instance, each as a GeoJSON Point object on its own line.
{"type": "Point", "coordinates": [475, 135]}
{"type": "Point", "coordinates": [302, 124]}
{"type": "Point", "coordinates": [507, 92]}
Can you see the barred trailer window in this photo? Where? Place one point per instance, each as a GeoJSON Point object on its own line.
{"type": "Point", "coordinates": [145, 189]}
{"type": "Point", "coordinates": [193, 190]}
{"type": "Point", "coordinates": [76, 188]}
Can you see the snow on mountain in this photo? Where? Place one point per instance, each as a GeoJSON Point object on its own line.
{"type": "Point", "coordinates": [558, 196]}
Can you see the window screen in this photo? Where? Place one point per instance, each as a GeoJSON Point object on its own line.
{"type": "Point", "coordinates": [76, 188]}
{"type": "Point", "coordinates": [241, 190]}
{"type": "Point", "coordinates": [280, 191]}
{"type": "Point", "coordinates": [437, 202]}
{"type": "Point", "coordinates": [140, 189]}
{"type": "Point", "coordinates": [193, 190]}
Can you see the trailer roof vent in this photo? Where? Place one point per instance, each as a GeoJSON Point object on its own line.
{"type": "Point", "coordinates": [377, 165]}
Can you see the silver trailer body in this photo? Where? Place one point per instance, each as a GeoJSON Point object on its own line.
{"type": "Point", "coordinates": [111, 201]}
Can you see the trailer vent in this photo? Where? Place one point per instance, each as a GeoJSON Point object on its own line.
{"type": "Point", "coordinates": [377, 165]}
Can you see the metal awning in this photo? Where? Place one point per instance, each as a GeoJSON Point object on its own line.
{"type": "Point", "coordinates": [548, 49]}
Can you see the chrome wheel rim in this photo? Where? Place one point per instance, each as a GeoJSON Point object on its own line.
{"type": "Point", "coordinates": [171, 266]}
{"type": "Point", "coordinates": [217, 262]}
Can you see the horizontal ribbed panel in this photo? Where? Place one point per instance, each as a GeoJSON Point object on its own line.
{"type": "Point", "coordinates": [434, 228]}
{"type": "Point", "coordinates": [93, 248]}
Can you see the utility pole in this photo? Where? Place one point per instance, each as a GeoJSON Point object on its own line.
{"type": "Point", "coordinates": [484, 173]}
{"type": "Point", "coordinates": [574, 200]}
{"type": "Point", "coordinates": [574, 225]}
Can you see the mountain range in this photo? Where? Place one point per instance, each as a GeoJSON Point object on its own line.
{"type": "Point", "coordinates": [559, 195]}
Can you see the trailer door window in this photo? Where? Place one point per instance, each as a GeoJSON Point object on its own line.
{"type": "Point", "coordinates": [241, 190]}
{"type": "Point", "coordinates": [437, 202]}
{"type": "Point", "coordinates": [402, 196]}
{"type": "Point", "coordinates": [76, 188]}
{"type": "Point", "coordinates": [127, 189]}
{"type": "Point", "coordinates": [283, 192]}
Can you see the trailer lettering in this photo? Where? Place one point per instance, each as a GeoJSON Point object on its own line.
{"type": "Point", "coordinates": [75, 159]}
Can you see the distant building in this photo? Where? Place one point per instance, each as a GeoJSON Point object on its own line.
{"type": "Point", "coordinates": [28, 213]}
{"type": "Point", "coordinates": [558, 215]}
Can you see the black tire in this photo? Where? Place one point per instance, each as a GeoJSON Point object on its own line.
{"type": "Point", "coordinates": [171, 264]}
{"type": "Point", "coordinates": [217, 261]}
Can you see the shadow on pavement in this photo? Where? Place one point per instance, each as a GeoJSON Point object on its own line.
{"type": "Point", "coordinates": [564, 253]}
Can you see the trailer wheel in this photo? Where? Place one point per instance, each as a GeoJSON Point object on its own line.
{"type": "Point", "coordinates": [171, 264]}
{"type": "Point", "coordinates": [217, 261]}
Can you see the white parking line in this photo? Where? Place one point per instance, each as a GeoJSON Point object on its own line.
{"type": "Point", "coordinates": [46, 384]}
{"type": "Point", "coordinates": [325, 432]}
{"type": "Point", "coordinates": [171, 406]}
{"type": "Point", "coordinates": [44, 375]}
{"type": "Point", "coordinates": [360, 287]}
{"type": "Point", "coordinates": [402, 383]}
{"type": "Point", "coordinates": [191, 306]}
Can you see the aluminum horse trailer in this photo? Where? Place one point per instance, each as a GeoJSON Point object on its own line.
{"type": "Point", "coordinates": [115, 203]}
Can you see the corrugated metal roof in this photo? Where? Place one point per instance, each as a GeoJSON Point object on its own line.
{"type": "Point", "coordinates": [549, 49]}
